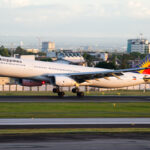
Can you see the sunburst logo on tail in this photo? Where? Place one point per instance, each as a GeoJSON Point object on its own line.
{"type": "Point", "coordinates": [144, 64]}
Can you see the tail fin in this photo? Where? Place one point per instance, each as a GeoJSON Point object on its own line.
{"type": "Point", "coordinates": [145, 63]}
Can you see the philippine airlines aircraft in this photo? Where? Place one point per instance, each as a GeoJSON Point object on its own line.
{"type": "Point", "coordinates": [36, 73]}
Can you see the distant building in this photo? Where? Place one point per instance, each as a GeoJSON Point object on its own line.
{"type": "Point", "coordinates": [99, 56]}
{"type": "Point", "coordinates": [48, 46]}
{"type": "Point", "coordinates": [86, 48]}
{"type": "Point", "coordinates": [104, 56]}
{"type": "Point", "coordinates": [33, 50]}
{"type": "Point", "coordinates": [134, 63]}
{"type": "Point", "coordinates": [138, 45]}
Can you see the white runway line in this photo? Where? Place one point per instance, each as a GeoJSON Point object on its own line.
{"type": "Point", "coordinates": [75, 121]}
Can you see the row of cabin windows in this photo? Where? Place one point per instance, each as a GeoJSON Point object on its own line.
{"type": "Point", "coordinates": [11, 63]}
{"type": "Point", "coordinates": [10, 60]}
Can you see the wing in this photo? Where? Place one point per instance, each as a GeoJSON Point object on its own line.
{"type": "Point", "coordinates": [84, 76]}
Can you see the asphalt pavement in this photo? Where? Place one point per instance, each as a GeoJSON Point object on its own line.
{"type": "Point", "coordinates": [75, 99]}
{"type": "Point", "coordinates": [125, 141]}
{"type": "Point", "coordinates": [95, 144]}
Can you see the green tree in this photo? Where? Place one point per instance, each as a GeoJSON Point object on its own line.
{"type": "Point", "coordinates": [124, 61]}
{"type": "Point", "coordinates": [20, 51]}
{"type": "Point", "coordinates": [89, 59]}
{"type": "Point", "coordinates": [4, 51]}
{"type": "Point", "coordinates": [41, 54]}
{"type": "Point", "coordinates": [45, 59]}
{"type": "Point", "coordinates": [105, 65]}
{"type": "Point", "coordinates": [135, 55]}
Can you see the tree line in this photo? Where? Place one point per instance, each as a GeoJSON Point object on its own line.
{"type": "Point", "coordinates": [7, 52]}
{"type": "Point", "coordinates": [115, 61]}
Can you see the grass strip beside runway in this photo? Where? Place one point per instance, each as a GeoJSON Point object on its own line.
{"type": "Point", "coordinates": [74, 110]}
{"type": "Point", "coordinates": [70, 130]}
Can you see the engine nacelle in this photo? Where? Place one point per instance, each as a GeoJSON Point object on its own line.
{"type": "Point", "coordinates": [27, 82]}
{"type": "Point", "coordinates": [64, 81]}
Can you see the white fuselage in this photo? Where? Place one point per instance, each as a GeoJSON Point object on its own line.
{"type": "Point", "coordinates": [30, 69]}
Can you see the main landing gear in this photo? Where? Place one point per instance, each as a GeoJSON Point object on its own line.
{"type": "Point", "coordinates": [76, 90]}
{"type": "Point", "coordinates": [60, 93]}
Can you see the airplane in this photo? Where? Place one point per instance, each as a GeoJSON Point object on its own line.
{"type": "Point", "coordinates": [36, 73]}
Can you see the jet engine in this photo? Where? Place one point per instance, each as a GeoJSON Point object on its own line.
{"type": "Point", "coordinates": [27, 82]}
{"type": "Point", "coordinates": [63, 81]}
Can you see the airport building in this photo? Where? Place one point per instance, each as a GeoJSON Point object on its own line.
{"type": "Point", "coordinates": [70, 58]}
{"type": "Point", "coordinates": [138, 45]}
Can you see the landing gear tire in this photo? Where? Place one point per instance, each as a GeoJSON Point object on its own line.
{"type": "Point", "coordinates": [61, 94]}
{"type": "Point", "coordinates": [55, 90]}
{"type": "Point", "coordinates": [75, 90]}
{"type": "Point", "coordinates": [80, 94]}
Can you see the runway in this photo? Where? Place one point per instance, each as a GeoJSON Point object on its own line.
{"type": "Point", "coordinates": [75, 99]}
{"type": "Point", "coordinates": [76, 144]}
{"type": "Point", "coordinates": [74, 123]}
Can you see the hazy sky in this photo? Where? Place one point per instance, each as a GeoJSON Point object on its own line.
{"type": "Point", "coordinates": [75, 18]}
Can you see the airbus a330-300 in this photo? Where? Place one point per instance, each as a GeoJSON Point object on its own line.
{"type": "Point", "coordinates": [37, 73]}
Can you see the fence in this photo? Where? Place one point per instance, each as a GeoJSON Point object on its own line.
{"type": "Point", "coordinates": [48, 87]}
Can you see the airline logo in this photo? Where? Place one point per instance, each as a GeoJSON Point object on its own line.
{"type": "Point", "coordinates": [145, 63]}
